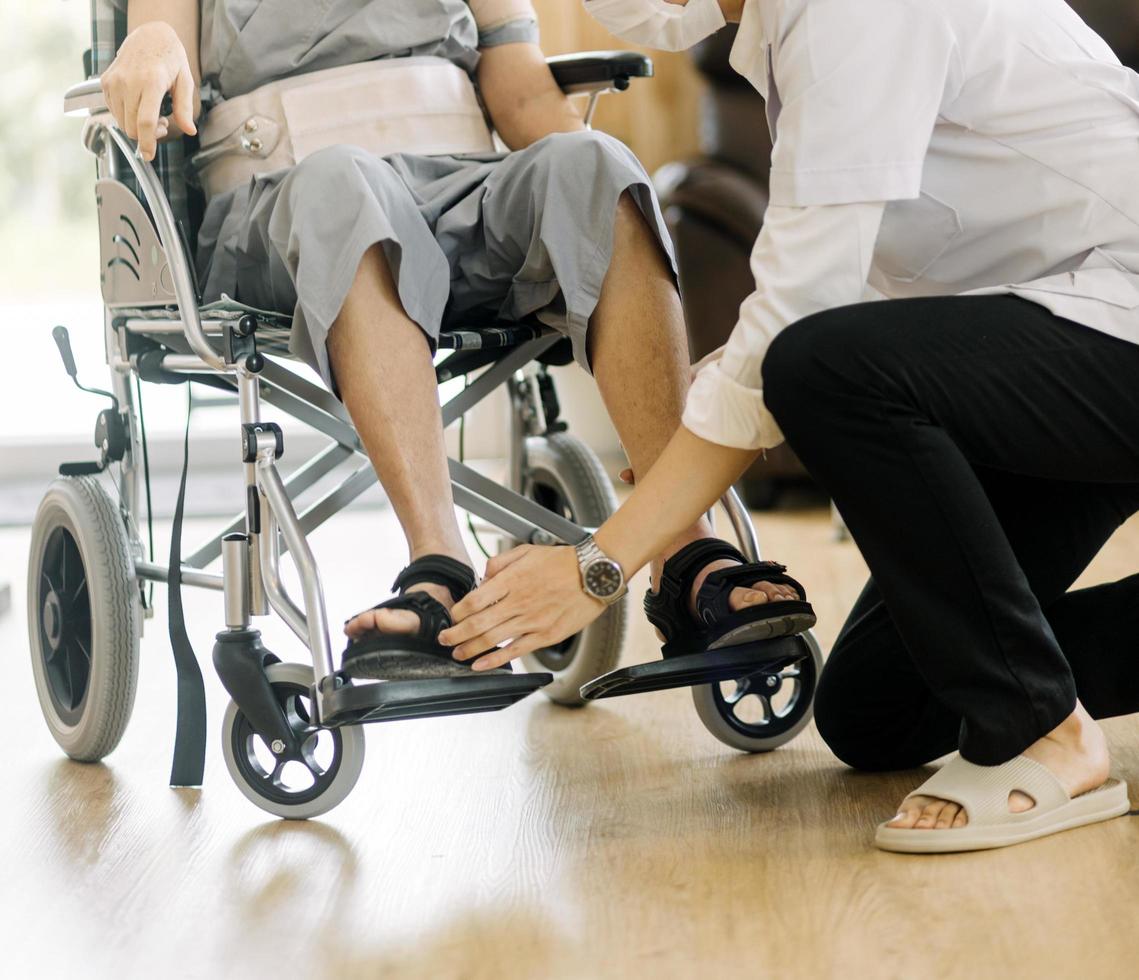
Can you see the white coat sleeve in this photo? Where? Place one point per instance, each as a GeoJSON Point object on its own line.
{"type": "Point", "coordinates": [805, 260]}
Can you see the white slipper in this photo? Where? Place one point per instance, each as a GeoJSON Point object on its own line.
{"type": "Point", "coordinates": [983, 792]}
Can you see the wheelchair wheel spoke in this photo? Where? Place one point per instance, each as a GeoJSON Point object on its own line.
{"type": "Point", "coordinates": [276, 776]}
{"type": "Point", "coordinates": [308, 752]}
{"type": "Point", "coordinates": [768, 707]}
{"type": "Point", "coordinates": [67, 676]}
{"type": "Point", "coordinates": [63, 567]}
{"type": "Point", "coordinates": [743, 687]}
{"type": "Point", "coordinates": [83, 651]}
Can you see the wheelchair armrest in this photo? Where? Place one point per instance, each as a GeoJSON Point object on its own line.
{"type": "Point", "coordinates": [87, 97]}
{"type": "Point", "coordinates": [588, 71]}
{"type": "Point", "coordinates": [598, 71]}
{"type": "Point", "coordinates": [84, 97]}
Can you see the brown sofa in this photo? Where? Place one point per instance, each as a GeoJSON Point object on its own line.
{"type": "Point", "coordinates": [714, 205]}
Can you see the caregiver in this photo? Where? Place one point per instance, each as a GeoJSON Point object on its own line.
{"type": "Point", "coordinates": [976, 162]}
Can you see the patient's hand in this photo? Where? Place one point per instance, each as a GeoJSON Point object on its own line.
{"type": "Point", "coordinates": [151, 62]}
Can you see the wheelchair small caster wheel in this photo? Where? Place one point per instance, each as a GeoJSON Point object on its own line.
{"type": "Point", "coordinates": [84, 617]}
{"type": "Point", "coordinates": [764, 710]}
{"type": "Point", "coordinates": [319, 778]}
{"type": "Point", "coordinates": [566, 477]}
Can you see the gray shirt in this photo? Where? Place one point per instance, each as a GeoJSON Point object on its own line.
{"type": "Point", "coordinates": [246, 43]}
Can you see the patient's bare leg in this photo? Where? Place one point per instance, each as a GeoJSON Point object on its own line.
{"type": "Point", "coordinates": [383, 368]}
{"type": "Point", "coordinates": [639, 354]}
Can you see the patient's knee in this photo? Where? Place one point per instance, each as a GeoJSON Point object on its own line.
{"type": "Point", "coordinates": [588, 158]}
{"type": "Point", "coordinates": [340, 169]}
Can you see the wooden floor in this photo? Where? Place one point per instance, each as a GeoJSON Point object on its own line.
{"type": "Point", "coordinates": [619, 840]}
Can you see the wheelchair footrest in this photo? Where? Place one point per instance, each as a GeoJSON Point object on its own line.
{"type": "Point", "coordinates": [359, 704]}
{"type": "Point", "coordinates": [696, 669]}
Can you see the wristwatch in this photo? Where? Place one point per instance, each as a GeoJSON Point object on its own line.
{"type": "Point", "coordinates": [601, 577]}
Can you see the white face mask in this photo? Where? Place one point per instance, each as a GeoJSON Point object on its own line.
{"type": "Point", "coordinates": [657, 23]}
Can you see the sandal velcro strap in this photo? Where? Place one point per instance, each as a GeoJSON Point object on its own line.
{"type": "Point", "coordinates": [433, 615]}
{"type": "Point", "coordinates": [458, 578]}
{"type": "Point", "coordinates": [667, 608]}
{"type": "Point", "coordinates": [713, 599]}
{"type": "Point", "coordinates": [692, 559]}
{"type": "Point", "coordinates": [716, 624]}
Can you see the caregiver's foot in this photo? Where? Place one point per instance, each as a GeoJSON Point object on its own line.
{"type": "Point", "coordinates": [1076, 753]}
{"type": "Point", "coordinates": [396, 621]}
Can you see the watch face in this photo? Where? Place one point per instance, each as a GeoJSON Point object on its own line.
{"type": "Point", "coordinates": [603, 578]}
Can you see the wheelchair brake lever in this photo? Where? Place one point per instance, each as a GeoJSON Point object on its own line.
{"type": "Point", "coordinates": [110, 429]}
{"type": "Point", "coordinates": [63, 342]}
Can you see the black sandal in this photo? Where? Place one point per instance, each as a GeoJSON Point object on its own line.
{"type": "Point", "coordinates": [415, 656]}
{"type": "Point", "coordinates": [722, 645]}
{"type": "Point", "coordinates": [719, 625]}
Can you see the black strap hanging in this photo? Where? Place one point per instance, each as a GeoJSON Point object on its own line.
{"type": "Point", "coordinates": [190, 736]}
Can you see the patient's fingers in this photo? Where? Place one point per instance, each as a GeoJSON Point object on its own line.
{"type": "Point", "coordinates": [146, 125]}
{"type": "Point", "coordinates": [131, 100]}
{"type": "Point", "coordinates": [182, 96]}
{"type": "Point", "coordinates": [112, 95]}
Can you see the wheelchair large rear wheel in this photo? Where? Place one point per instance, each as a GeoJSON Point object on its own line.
{"type": "Point", "coordinates": [565, 476]}
{"type": "Point", "coordinates": [84, 617]}
{"type": "Point", "coordinates": [764, 710]}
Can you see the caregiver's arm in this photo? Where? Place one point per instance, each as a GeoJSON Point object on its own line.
{"type": "Point", "coordinates": [806, 260]}
{"type": "Point", "coordinates": [159, 55]}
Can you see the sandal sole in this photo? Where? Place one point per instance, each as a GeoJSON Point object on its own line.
{"type": "Point", "coordinates": [767, 629]}
{"type": "Point", "coordinates": [392, 665]}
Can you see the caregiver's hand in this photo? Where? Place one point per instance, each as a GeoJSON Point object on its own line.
{"type": "Point", "coordinates": [150, 63]}
{"type": "Point", "coordinates": [532, 596]}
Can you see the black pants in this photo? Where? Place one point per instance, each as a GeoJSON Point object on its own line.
{"type": "Point", "coordinates": [981, 451]}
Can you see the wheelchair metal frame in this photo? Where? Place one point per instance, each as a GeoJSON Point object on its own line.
{"type": "Point", "coordinates": [250, 545]}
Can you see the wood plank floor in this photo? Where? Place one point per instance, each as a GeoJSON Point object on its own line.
{"type": "Point", "coordinates": [617, 841]}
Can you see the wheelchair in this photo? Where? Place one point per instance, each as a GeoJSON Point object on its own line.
{"type": "Point", "coordinates": [292, 735]}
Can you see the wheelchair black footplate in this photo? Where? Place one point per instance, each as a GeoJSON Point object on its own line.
{"type": "Point", "coordinates": [695, 669]}
{"type": "Point", "coordinates": [375, 701]}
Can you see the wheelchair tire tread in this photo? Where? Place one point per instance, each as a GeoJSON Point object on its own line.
{"type": "Point", "coordinates": [108, 560]}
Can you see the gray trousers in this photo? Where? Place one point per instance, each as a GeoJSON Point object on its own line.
{"type": "Point", "coordinates": [502, 236]}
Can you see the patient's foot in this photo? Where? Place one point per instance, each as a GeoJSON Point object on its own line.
{"type": "Point", "coordinates": [1076, 752]}
{"type": "Point", "coordinates": [759, 594]}
{"type": "Point", "coordinates": [396, 621]}
{"type": "Point", "coordinates": [741, 598]}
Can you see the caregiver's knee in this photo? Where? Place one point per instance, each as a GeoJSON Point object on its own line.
{"type": "Point", "coordinates": [786, 366]}
{"type": "Point", "coordinates": [807, 358]}
{"type": "Point", "coordinates": [835, 718]}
